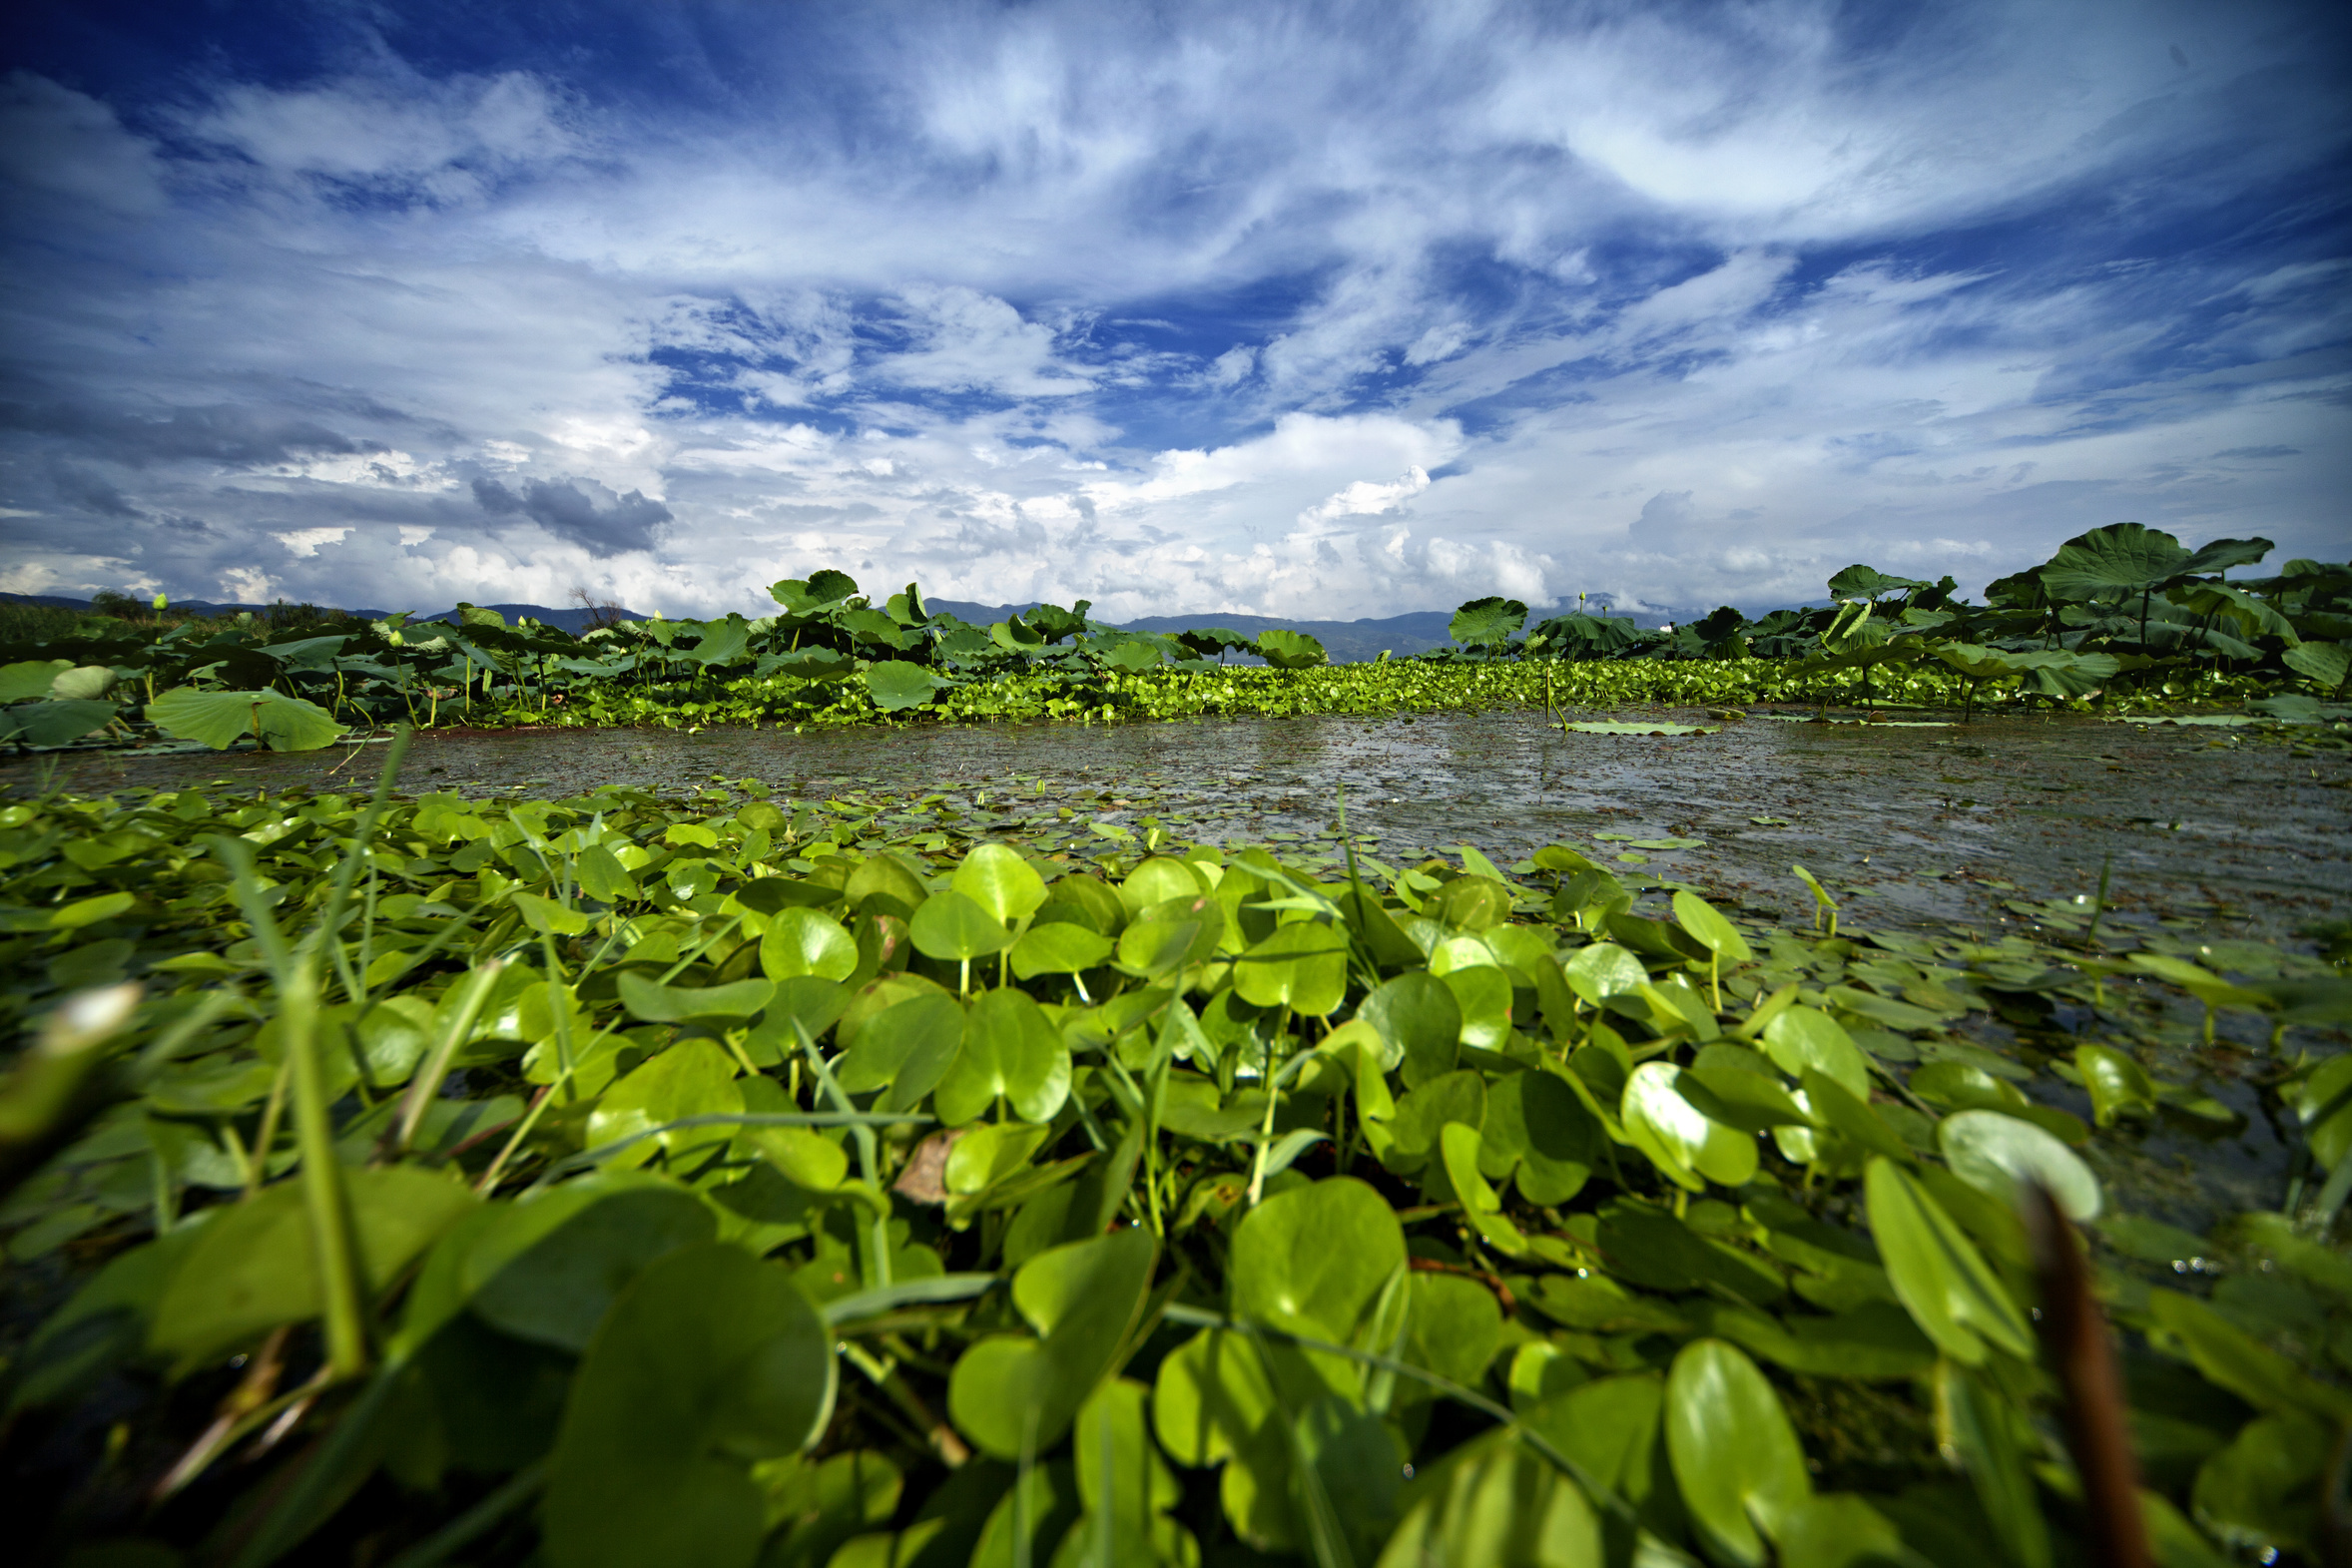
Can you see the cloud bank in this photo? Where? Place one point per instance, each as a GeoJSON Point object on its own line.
{"type": "Point", "coordinates": [1326, 310]}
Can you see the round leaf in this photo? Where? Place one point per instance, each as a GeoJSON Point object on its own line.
{"type": "Point", "coordinates": [709, 1361]}
{"type": "Point", "coordinates": [1735, 1456]}
{"type": "Point", "coordinates": [1316, 1257]}
{"type": "Point", "coordinates": [1420, 1024]}
{"type": "Point", "coordinates": [953, 928]}
{"type": "Point", "coordinates": [1002, 882]}
{"type": "Point", "coordinates": [801, 942]}
{"type": "Point", "coordinates": [1303, 966]}
{"type": "Point", "coordinates": [1798, 1038]}
{"type": "Point", "coordinates": [1994, 1153]}
{"type": "Point", "coordinates": [1010, 1049]}
{"type": "Point", "coordinates": [1058, 948]}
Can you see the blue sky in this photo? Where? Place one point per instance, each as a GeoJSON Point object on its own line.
{"type": "Point", "coordinates": [1306, 311]}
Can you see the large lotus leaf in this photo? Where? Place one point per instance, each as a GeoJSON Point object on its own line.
{"type": "Point", "coordinates": [1459, 1149]}
{"type": "Point", "coordinates": [545, 1269]}
{"type": "Point", "coordinates": [220, 719]}
{"type": "Point", "coordinates": [1736, 1458]}
{"type": "Point", "coordinates": [83, 682]}
{"type": "Point", "coordinates": [692, 1078]}
{"type": "Point", "coordinates": [1496, 1504]}
{"type": "Point", "coordinates": [1486, 621]}
{"type": "Point", "coordinates": [708, 1361]}
{"type": "Point", "coordinates": [801, 942]}
{"type": "Point", "coordinates": [1012, 1395]}
{"type": "Point", "coordinates": [1011, 1050]}
{"type": "Point", "coordinates": [1997, 1152]}
{"type": "Point", "coordinates": [1418, 1022]}
{"type": "Point", "coordinates": [1287, 650]}
{"type": "Point", "coordinates": [1303, 966]}
{"type": "Point", "coordinates": [1058, 948]}
{"type": "Point", "coordinates": [33, 678]}
{"type": "Point", "coordinates": [1936, 1271]}
{"type": "Point", "coordinates": [890, 874]}
{"type": "Point", "coordinates": [2232, 1358]}
{"type": "Point", "coordinates": [1157, 881]}
{"type": "Point", "coordinates": [252, 1266]}
{"type": "Point", "coordinates": [1131, 653]}
{"type": "Point", "coordinates": [722, 642]}
{"type": "Point", "coordinates": [1315, 1258]}
{"type": "Point", "coordinates": [54, 722]}
{"type": "Point", "coordinates": [951, 927]}
{"type": "Point", "coordinates": [997, 880]}
{"type": "Point", "coordinates": [1867, 582]}
{"type": "Point", "coordinates": [894, 684]}
{"type": "Point", "coordinates": [2327, 663]}
{"type": "Point", "coordinates": [2118, 559]}
{"type": "Point", "coordinates": [2220, 554]}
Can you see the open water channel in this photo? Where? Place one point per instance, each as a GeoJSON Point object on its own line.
{"type": "Point", "coordinates": [1921, 826]}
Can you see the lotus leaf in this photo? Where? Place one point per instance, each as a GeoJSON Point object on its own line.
{"type": "Point", "coordinates": [1315, 1258]}
{"type": "Point", "coordinates": [220, 719]}
{"type": "Point", "coordinates": [53, 723]}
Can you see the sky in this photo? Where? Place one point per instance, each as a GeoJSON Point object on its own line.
{"type": "Point", "coordinates": [1305, 311]}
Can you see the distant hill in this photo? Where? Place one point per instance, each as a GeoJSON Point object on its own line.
{"type": "Point", "coordinates": [1348, 642]}
{"type": "Point", "coordinates": [573, 620]}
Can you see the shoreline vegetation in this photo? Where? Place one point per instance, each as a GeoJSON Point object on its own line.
{"type": "Point", "coordinates": [2122, 619]}
{"type": "Point", "coordinates": [912, 1178]}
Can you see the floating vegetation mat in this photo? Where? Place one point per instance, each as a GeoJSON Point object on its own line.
{"type": "Point", "coordinates": [882, 1178]}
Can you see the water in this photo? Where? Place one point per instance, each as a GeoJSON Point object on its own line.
{"type": "Point", "coordinates": [1920, 827]}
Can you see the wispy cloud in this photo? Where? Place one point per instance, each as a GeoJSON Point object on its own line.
{"type": "Point", "coordinates": [1335, 309]}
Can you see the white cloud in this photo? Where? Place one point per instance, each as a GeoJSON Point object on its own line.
{"type": "Point", "coordinates": [1686, 305]}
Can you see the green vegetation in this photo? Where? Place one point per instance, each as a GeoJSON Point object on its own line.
{"type": "Point", "coordinates": [2122, 617]}
{"type": "Point", "coordinates": [919, 1181]}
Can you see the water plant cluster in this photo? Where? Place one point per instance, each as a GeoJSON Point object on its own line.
{"type": "Point", "coordinates": [2123, 614]}
{"type": "Point", "coordinates": [2123, 603]}
{"type": "Point", "coordinates": [890, 1181]}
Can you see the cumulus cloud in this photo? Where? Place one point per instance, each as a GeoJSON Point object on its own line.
{"type": "Point", "coordinates": [1223, 312]}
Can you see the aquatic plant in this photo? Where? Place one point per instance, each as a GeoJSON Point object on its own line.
{"type": "Point", "coordinates": [616, 1179]}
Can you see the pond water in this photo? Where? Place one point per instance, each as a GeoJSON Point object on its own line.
{"type": "Point", "coordinates": [1911, 826]}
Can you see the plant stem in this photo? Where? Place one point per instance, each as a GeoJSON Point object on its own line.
{"type": "Point", "coordinates": [334, 1248]}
